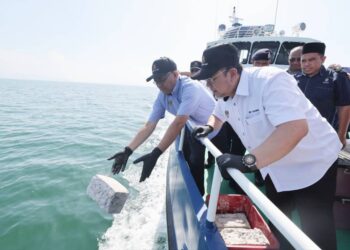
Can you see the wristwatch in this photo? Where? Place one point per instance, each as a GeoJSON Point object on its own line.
{"type": "Point", "coordinates": [249, 160]}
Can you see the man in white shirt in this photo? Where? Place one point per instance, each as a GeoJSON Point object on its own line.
{"type": "Point", "coordinates": [289, 142]}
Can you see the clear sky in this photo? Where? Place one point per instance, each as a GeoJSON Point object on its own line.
{"type": "Point", "coordinates": [116, 41]}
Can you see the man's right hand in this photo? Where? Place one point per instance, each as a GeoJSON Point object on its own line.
{"type": "Point", "coordinates": [202, 131]}
{"type": "Point", "coordinates": [120, 160]}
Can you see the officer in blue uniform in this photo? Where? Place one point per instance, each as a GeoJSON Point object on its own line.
{"type": "Point", "coordinates": [262, 57]}
{"type": "Point", "coordinates": [328, 90]}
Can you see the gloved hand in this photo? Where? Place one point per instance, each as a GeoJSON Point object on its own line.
{"type": "Point", "coordinates": [149, 160]}
{"type": "Point", "coordinates": [202, 131]}
{"type": "Point", "coordinates": [120, 160]}
{"type": "Point", "coordinates": [226, 161]}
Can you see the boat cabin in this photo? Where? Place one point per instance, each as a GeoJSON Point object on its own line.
{"type": "Point", "coordinates": [249, 39]}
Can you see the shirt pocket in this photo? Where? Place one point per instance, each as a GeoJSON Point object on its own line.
{"type": "Point", "coordinates": [257, 130]}
{"type": "Point", "coordinates": [253, 120]}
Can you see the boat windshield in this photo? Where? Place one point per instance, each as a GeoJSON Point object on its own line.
{"type": "Point", "coordinates": [243, 51]}
{"type": "Point", "coordinates": [285, 49]}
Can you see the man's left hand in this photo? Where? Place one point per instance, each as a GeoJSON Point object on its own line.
{"type": "Point", "coordinates": [149, 161]}
{"type": "Point", "coordinates": [226, 161]}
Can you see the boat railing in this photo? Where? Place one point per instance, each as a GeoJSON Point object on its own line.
{"type": "Point", "coordinates": [249, 31]}
{"type": "Point", "coordinates": [291, 232]}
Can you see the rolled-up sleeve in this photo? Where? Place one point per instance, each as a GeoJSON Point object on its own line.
{"type": "Point", "coordinates": [190, 100]}
{"type": "Point", "coordinates": [158, 110]}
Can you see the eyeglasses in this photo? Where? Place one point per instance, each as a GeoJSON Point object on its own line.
{"type": "Point", "coordinates": [161, 79]}
{"type": "Point", "coordinates": [293, 59]}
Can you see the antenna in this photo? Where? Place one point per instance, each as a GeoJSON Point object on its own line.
{"type": "Point", "coordinates": [234, 20]}
{"type": "Point", "coordinates": [276, 13]}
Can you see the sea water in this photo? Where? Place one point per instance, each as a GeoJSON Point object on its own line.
{"type": "Point", "coordinates": [54, 137]}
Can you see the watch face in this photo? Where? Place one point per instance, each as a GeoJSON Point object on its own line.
{"type": "Point", "coordinates": [249, 159]}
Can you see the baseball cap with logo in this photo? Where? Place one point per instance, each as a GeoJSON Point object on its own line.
{"type": "Point", "coordinates": [161, 67]}
{"type": "Point", "coordinates": [216, 58]}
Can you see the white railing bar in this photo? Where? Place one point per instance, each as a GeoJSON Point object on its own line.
{"type": "Point", "coordinates": [293, 234]}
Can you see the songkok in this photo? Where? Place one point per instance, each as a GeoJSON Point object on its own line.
{"type": "Point", "coordinates": [314, 47]}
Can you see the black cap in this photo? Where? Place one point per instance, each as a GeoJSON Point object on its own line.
{"type": "Point", "coordinates": [216, 58]}
{"type": "Point", "coordinates": [161, 67]}
{"type": "Point", "coordinates": [195, 65]}
{"type": "Point", "coordinates": [262, 54]}
{"type": "Point", "coordinates": [314, 47]}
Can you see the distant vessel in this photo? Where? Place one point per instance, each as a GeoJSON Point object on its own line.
{"type": "Point", "coordinates": [249, 39]}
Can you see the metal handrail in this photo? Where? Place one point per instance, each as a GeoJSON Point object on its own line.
{"type": "Point", "coordinates": [292, 233]}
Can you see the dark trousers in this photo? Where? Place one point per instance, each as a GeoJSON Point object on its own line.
{"type": "Point", "coordinates": [194, 152]}
{"type": "Point", "coordinates": [315, 207]}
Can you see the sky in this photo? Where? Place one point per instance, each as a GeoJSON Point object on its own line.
{"type": "Point", "coordinates": [116, 41]}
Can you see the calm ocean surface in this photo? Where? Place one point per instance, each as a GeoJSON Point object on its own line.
{"type": "Point", "coordinates": [53, 138]}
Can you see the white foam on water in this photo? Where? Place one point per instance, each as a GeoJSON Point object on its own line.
{"type": "Point", "coordinates": [142, 222]}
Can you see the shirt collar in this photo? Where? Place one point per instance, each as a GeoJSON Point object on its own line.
{"type": "Point", "coordinates": [243, 84]}
{"type": "Point", "coordinates": [177, 86]}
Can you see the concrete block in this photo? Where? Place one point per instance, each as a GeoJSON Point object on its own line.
{"type": "Point", "coordinates": [109, 194]}
{"type": "Point", "coordinates": [243, 236]}
{"type": "Point", "coordinates": [232, 220]}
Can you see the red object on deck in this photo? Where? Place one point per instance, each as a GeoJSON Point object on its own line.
{"type": "Point", "coordinates": [234, 203]}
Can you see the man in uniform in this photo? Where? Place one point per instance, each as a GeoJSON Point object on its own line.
{"type": "Point", "coordinates": [187, 100]}
{"type": "Point", "coordinates": [288, 141]}
{"type": "Point", "coordinates": [262, 57]}
{"type": "Point", "coordinates": [294, 61]}
{"type": "Point", "coordinates": [327, 89]}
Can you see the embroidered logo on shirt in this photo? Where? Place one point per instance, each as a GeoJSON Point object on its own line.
{"type": "Point", "coordinates": [326, 81]}
{"type": "Point", "coordinates": [252, 113]}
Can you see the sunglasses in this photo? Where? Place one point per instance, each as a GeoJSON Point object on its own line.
{"type": "Point", "coordinates": [294, 59]}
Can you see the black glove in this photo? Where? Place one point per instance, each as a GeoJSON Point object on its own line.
{"type": "Point", "coordinates": [120, 160]}
{"type": "Point", "coordinates": [226, 161]}
{"type": "Point", "coordinates": [202, 131]}
{"type": "Point", "coordinates": [149, 160]}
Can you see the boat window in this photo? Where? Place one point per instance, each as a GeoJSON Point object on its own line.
{"type": "Point", "coordinates": [243, 51]}
{"type": "Point", "coordinates": [272, 45]}
{"type": "Point", "coordinates": [285, 49]}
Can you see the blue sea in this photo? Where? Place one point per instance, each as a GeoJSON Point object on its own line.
{"type": "Point", "coordinates": [54, 137]}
